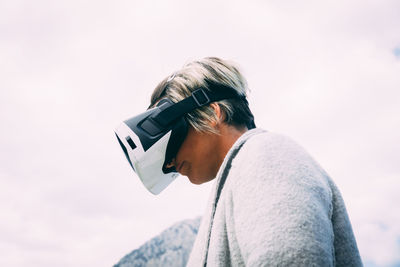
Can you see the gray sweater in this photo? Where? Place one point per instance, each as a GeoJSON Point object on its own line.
{"type": "Point", "coordinates": [273, 205]}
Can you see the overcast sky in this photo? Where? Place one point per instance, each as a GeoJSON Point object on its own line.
{"type": "Point", "coordinates": [326, 73]}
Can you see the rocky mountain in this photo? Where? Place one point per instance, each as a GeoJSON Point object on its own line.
{"type": "Point", "coordinates": [171, 248]}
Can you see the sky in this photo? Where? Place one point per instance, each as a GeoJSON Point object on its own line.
{"type": "Point", "coordinates": [325, 73]}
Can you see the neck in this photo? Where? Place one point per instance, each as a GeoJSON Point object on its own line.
{"type": "Point", "coordinates": [227, 137]}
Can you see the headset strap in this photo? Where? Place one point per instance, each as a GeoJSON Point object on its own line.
{"type": "Point", "coordinates": [199, 98]}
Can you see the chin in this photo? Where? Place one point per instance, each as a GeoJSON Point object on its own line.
{"type": "Point", "coordinates": [194, 180]}
{"type": "Point", "coordinates": [198, 181]}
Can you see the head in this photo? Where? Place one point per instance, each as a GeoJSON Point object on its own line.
{"type": "Point", "coordinates": [212, 128]}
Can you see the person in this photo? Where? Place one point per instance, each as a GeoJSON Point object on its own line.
{"type": "Point", "coordinates": [271, 203]}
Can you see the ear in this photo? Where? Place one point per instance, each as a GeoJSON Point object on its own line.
{"type": "Point", "coordinates": [218, 112]}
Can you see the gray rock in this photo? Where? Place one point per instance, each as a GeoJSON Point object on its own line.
{"type": "Point", "coordinates": [171, 248]}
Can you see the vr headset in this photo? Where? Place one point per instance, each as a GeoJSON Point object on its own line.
{"type": "Point", "coordinates": [152, 139]}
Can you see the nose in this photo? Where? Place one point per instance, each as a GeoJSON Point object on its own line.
{"type": "Point", "coordinates": [170, 164]}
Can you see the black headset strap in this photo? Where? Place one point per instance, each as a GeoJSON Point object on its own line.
{"type": "Point", "coordinates": [199, 98]}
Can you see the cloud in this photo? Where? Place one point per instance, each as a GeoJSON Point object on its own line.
{"type": "Point", "coordinates": [322, 73]}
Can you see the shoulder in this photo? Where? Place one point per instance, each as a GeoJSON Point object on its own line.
{"type": "Point", "coordinates": [276, 161]}
{"type": "Point", "coordinates": [278, 199]}
{"type": "Point", "coordinates": [269, 147]}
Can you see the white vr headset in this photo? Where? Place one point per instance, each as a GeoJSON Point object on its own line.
{"type": "Point", "coordinates": [152, 139]}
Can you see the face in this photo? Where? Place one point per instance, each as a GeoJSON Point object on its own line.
{"type": "Point", "coordinates": [197, 157]}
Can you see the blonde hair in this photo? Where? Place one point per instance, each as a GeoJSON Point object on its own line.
{"type": "Point", "coordinates": [199, 74]}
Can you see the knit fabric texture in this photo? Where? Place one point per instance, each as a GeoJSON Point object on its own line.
{"type": "Point", "coordinates": [273, 205]}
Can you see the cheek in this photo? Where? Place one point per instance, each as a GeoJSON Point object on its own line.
{"type": "Point", "coordinates": [184, 152]}
{"type": "Point", "coordinates": [198, 153]}
{"type": "Point", "coordinates": [204, 164]}
{"type": "Point", "coordinates": [189, 147]}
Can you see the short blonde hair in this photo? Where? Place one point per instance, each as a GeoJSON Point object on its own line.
{"type": "Point", "coordinates": [199, 74]}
